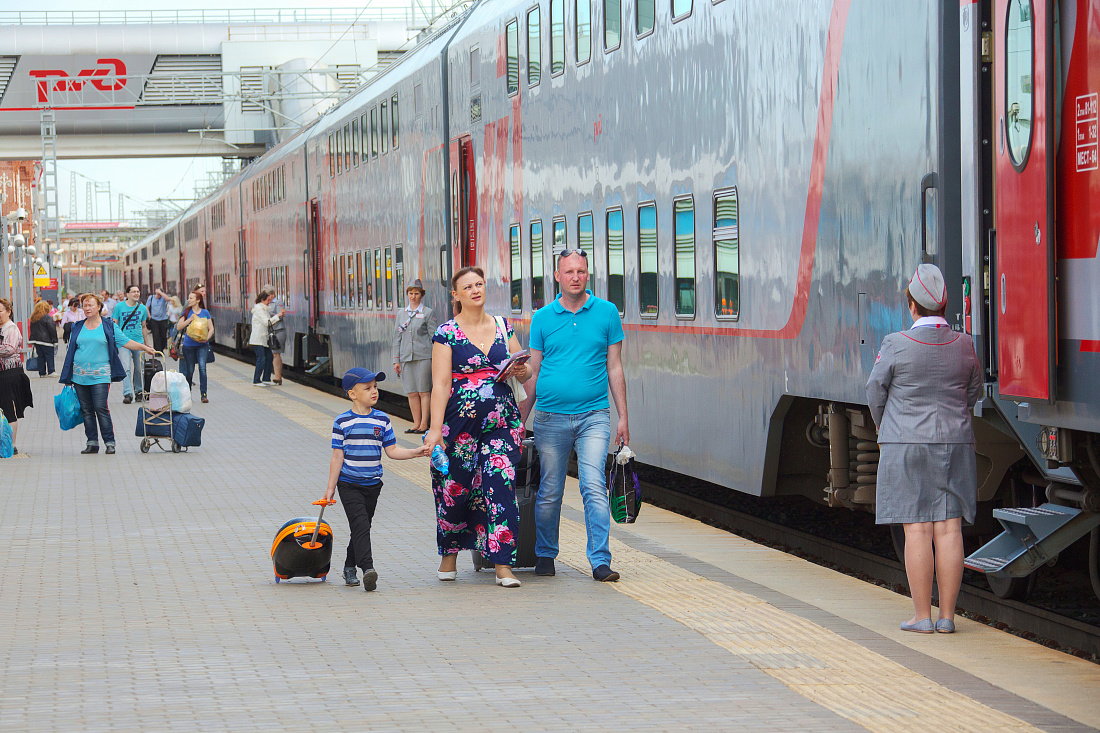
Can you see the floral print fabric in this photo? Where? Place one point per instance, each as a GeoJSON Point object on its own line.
{"type": "Point", "coordinates": [476, 502]}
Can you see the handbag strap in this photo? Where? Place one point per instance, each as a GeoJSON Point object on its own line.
{"type": "Point", "coordinates": [503, 332]}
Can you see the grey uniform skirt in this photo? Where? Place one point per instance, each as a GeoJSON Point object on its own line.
{"type": "Point", "coordinates": [926, 483]}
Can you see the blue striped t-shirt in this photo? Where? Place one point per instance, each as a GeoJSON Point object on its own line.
{"type": "Point", "coordinates": [362, 438]}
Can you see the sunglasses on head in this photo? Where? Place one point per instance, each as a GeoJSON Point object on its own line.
{"type": "Point", "coordinates": [566, 252]}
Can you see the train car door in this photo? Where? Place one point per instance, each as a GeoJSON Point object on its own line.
{"type": "Point", "coordinates": [463, 190]}
{"type": "Point", "coordinates": [313, 263]}
{"type": "Point", "coordinates": [1023, 284]}
{"type": "Point", "coordinates": [242, 272]}
{"type": "Point", "coordinates": [164, 273]}
{"type": "Point", "coordinates": [182, 285]}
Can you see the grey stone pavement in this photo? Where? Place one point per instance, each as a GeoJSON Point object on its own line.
{"type": "Point", "coordinates": [138, 594]}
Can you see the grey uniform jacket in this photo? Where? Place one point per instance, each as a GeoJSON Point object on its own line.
{"type": "Point", "coordinates": [416, 340]}
{"type": "Point", "coordinates": [923, 387]}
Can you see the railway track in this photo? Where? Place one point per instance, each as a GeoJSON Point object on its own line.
{"type": "Point", "coordinates": [1036, 624]}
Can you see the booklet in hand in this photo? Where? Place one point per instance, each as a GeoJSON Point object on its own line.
{"type": "Point", "coordinates": [520, 357]}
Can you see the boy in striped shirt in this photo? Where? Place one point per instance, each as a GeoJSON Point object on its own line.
{"type": "Point", "coordinates": [358, 439]}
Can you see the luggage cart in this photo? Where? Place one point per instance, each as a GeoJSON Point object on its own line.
{"type": "Point", "coordinates": [157, 416]}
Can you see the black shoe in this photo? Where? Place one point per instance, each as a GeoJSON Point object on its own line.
{"type": "Point", "coordinates": [544, 566]}
{"type": "Point", "coordinates": [604, 574]}
{"type": "Point", "coordinates": [90, 449]}
{"type": "Point", "coordinates": [370, 579]}
{"type": "Point", "coordinates": [110, 450]}
{"type": "Point", "coordinates": [127, 400]}
{"type": "Point", "coordinates": [350, 577]}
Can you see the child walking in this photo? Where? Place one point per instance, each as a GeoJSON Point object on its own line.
{"type": "Point", "coordinates": [358, 437]}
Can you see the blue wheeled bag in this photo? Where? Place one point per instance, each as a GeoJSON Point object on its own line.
{"type": "Point", "coordinates": [186, 428]}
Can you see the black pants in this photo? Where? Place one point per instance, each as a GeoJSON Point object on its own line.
{"type": "Point", "coordinates": [45, 359]}
{"type": "Point", "coordinates": [159, 329]}
{"type": "Point", "coordinates": [359, 503]}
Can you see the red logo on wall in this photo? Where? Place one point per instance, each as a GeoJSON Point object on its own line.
{"type": "Point", "coordinates": [67, 83]}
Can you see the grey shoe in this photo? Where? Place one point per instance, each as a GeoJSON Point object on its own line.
{"type": "Point", "coordinates": [350, 578]}
{"type": "Point", "coordinates": [370, 579]}
{"type": "Point", "coordinates": [924, 626]}
{"type": "Point", "coordinates": [945, 626]}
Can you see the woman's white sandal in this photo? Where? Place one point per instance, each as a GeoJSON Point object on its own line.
{"type": "Point", "coordinates": [509, 582]}
{"type": "Point", "coordinates": [447, 574]}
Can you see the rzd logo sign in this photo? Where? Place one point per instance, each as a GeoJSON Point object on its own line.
{"type": "Point", "coordinates": [66, 83]}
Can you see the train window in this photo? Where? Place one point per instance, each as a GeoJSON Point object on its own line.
{"type": "Point", "coordinates": [355, 143]}
{"type": "Point", "coordinates": [394, 126]}
{"type": "Point", "coordinates": [343, 283]}
{"type": "Point", "coordinates": [378, 278]}
{"type": "Point", "coordinates": [374, 132]}
{"type": "Point", "coordinates": [1019, 39]}
{"type": "Point", "coordinates": [643, 23]}
{"type": "Point", "coordinates": [331, 158]}
{"type": "Point", "coordinates": [339, 152]}
{"type": "Point", "coordinates": [351, 281]}
{"type": "Point", "coordinates": [382, 114]}
{"type": "Point", "coordinates": [511, 43]}
{"type": "Point", "coordinates": [616, 260]}
{"type": "Point", "coordinates": [559, 244]}
{"type": "Point", "coordinates": [418, 101]}
{"type": "Point", "coordinates": [683, 223]}
{"type": "Point", "coordinates": [347, 147]}
{"type": "Point", "coordinates": [681, 9]}
{"type": "Point", "coordinates": [399, 275]}
{"type": "Point", "coordinates": [366, 137]}
{"type": "Point", "coordinates": [534, 46]}
{"type": "Point", "coordinates": [515, 275]}
{"type": "Point", "coordinates": [647, 260]}
{"type": "Point", "coordinates": [557, 37]}
{"type": "Point", "coordinates": [612, 24]}
{"type": "Point", "coordinates": [585, 240]}
{"type": "Point", "coordinates": [389, 277]}
{"type": "Point", "coordinates": [727, 264]}
{"type": "Point", "coordinates": [368, 281]}
{"type": "Point", "coordinates": [475, 67]}
{"type": "Point", "coordinates": [538, 293]}
{"type": "Point", "coordinates": [583, 30]}
{"type": "Point", "coordinates": [332, 281]}
{"type": "Point", "coordinates": [359, 279]}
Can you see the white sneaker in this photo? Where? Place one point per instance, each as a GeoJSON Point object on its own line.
{"type": "Point", "coordinates": [266, 384]}
{"type": "Point", "coordinates": [259, 384]}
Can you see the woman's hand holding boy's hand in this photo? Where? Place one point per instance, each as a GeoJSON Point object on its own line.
{"type": "Point", "coordinates": [433, 438]}
{"type": "Point", "coordinates": [424, 451]}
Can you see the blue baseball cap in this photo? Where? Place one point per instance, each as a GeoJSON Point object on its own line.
{"type": "Point", "coordinates": [359, 375]}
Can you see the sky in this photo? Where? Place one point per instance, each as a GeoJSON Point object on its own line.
{"type": "Point", "coordinates": [145, 180]}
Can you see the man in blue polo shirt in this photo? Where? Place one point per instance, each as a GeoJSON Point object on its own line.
{"type": "Point", "coordinates": [576, 351]}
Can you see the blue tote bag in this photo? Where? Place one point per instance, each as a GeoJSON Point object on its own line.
{"type": "Point", "coordinates": [67, 407]}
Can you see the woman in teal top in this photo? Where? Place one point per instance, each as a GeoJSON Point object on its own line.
{"type": "Point", "coordinates": [91, 364]}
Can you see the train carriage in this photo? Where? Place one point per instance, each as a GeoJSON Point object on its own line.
{"type": "Point", "coordinates": [754, 182]}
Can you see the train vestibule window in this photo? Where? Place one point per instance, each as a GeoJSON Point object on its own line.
{"type": "Point", "coordinates": [643, 22]}
{"type": "Point", "coordinates": [583, 30]}
{"type": "Point", "coordinates": [616, 260]}
{"type": "Point", "coordinates": [511, 42]}
{"type": "Point", "coordinates": [557, 37]}
{"type": "Point", "coordinates": [612, 24]}
{"type": "Point", "coordinates": [394, 139]}
{"type": "Point", "coordinates": [384, 136]}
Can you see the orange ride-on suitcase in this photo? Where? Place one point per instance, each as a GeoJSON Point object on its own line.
{"type": "Point", "coordinates": [303, 547]}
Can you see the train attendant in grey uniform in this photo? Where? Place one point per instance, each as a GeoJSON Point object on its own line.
{"type": "Point", "coordinates": [412, 355]}
{"type": "Point", "coordinates": [921, 392]}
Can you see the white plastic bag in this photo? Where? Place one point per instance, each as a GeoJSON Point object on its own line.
{"type": "Point", "coordinates": [175, 384]}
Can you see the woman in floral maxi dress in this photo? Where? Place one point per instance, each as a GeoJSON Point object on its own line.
{"type": "Point", "coordinates": [476, 420]}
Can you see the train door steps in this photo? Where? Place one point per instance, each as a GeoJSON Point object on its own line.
{"type": "Point", "coordinates": [1032, 536]}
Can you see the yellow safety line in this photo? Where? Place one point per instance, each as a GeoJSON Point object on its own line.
{"type": "Point", "coordinates": [841, 675]}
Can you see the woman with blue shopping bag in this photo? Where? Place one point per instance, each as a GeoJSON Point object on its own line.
{"type": "Point", "coordinates": [15, 387]}
{"type": "Point", "coordinates": [91, 364]}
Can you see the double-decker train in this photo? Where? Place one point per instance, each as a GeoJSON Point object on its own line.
{"type": "Point", "coordinates": [754, 182]}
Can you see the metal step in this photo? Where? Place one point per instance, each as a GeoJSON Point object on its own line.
{"type": "Point", "coordinates": [1033, 536]}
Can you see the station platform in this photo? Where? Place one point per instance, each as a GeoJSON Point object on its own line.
{"type": "Point", "coordinates": [138, 595]}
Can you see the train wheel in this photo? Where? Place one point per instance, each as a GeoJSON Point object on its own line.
{"type": "Point", "coordinates": [1012, 589]}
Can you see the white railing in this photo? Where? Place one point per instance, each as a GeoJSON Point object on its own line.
{"type": "Point", "coordinates": [221, 17]}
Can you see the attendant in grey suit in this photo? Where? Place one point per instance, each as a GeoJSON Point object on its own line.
{"type": "Point", "coordinates": [921, 393]}
{"type": "Point", "coordinates": [412, 355]}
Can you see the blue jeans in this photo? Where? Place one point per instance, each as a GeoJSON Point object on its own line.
{"type": "Point", "coordinates": [556, 436]}
{"type": "Point", "coordinates": [265, 359]}
{"type": "Point", "coordinates": [193, 355]}
{"type": "Point", "coordinates": [45, 359]}
{"type": "Point", "coordinates": [93, 404]}
{"type": "Point", "coordinates": [131, 363]}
